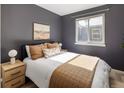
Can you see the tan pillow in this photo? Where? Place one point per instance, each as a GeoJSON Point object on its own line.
{"type": "Point", "coordinates": [52, 45]}
{"type": "Point", "coordinates": [44, 46]}
{"type": "Point", "coordinates": [36, 51]}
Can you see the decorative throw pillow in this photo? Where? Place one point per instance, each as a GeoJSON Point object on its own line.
{"type": "Point", "coordinates": [52, 45]}
{"type": "Point", "coordinates": [43, 46]}
{"type": "Point", "coordinates": [28, 51]}
{"type": "Point", "coordinates": [36, 51]}
{"type": "Point", "coordinates": [51, 52]}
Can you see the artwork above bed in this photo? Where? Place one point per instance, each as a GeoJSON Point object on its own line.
{"type": "Point", "coordinates": [41, 31]}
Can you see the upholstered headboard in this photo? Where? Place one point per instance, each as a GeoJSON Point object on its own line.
{"type": "Point", "coordinates": [23, 49]}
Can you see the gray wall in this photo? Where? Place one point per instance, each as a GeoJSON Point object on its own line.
{"type": "Point", "coordinates": [113, 54]}
{"type": "Point", "coordinates": [17, 26]}
{"type": "Point", "coordinates": [17, 30]}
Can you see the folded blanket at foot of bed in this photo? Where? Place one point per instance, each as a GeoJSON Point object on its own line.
{"type": "Point", "coordinates": [77, 73]}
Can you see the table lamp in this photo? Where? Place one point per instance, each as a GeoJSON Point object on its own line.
{"type": "Point", "coordinates": [12, 53]}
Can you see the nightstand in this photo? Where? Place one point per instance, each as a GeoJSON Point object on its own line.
{"type": "Point", "coordinates": [13, 75]}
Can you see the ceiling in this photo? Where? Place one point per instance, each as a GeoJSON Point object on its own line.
{"type": "Point", "coordinates": [64, 9]}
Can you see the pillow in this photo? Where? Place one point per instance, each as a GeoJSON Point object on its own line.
{"type": "Point", "coordinates": [52, 45]}
{"type": "Point", "coordinates": [44, 46]}
{"type": "Point", "coordinates": [36, 51]}
{"type": "Point", "coordinates": [51, 52]}
{"type": "Point", "coordinates": [28, 51]}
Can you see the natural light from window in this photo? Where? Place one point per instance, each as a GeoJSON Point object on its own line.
{"type": "Point", "coordinates": [91, 30]}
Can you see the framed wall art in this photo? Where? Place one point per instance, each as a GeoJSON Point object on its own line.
{"type": "Point", "coordinates": [41, 31]}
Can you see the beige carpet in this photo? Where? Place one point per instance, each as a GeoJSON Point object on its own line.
{"type": "Point", "coordinates": [117, 79]}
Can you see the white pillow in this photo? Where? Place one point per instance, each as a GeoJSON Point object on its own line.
{"type": "Point", "coordinates": [51, 52]}
{"type": "Point", "coordinates": [28, 51]}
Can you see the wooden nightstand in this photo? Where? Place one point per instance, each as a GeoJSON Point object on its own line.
{"type": "Point", "coordinates": [13, 75]}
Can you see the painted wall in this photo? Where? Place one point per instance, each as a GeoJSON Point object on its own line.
{"type": "Point", "coordinates": [17, 30]}
{"type": "Point", "coordinates": [17, 26]}
{"type": "Point", "coordinates": [113, 54]}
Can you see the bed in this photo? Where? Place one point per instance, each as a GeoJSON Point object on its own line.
{"type": "Point", "coordinates": [41, 70]}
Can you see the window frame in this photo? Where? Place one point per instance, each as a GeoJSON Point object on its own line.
{"type": "Point", "coordinates": [89, 43]}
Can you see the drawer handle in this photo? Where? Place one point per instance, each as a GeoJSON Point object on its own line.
{"type": "Point", "coordinates": [15, 83]}
{"type": "Point", "coordinates": [16, 73]}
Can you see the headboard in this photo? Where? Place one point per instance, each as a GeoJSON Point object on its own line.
{"type": "Point", "coordinates": [23, 49]}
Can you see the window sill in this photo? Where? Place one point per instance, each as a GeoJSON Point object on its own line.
{"type": "Point", "coordinates": [91, 44]}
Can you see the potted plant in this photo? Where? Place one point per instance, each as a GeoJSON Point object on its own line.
{"type": "Point", "coordinates": [122, 45]}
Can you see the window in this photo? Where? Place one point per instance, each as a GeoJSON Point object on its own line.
{"type": "Point", "coordinates": [91, 30]}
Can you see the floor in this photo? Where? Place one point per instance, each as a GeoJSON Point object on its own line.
{"type": "Point", "coordinates": [29, 84]}
{"type": "Point", "coordinates": [117, 79]}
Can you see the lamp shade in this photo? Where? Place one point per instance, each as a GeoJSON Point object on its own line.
{"type": "Point", "coordinates": [12, 53]}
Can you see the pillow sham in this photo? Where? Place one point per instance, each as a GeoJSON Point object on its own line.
{"type": "Point", "coordinates": [28, 51]}
{"type": "Point", "coordinates": [43, 46]}
{"type": "Point", "coordinates": [51, 52]}
{"type": "Point", "coordinates": [36, 51]}
{"type": "Point", "coordinates": [52, 45]}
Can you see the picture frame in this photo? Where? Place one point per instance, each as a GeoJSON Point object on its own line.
{"type": "Point", "coordinates": [41, 31]}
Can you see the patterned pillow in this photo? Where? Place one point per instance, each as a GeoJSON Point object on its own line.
{"type": "Point", "coordinates": [51, 52]}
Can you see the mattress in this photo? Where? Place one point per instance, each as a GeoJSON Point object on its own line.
{"type": "Point", "coordinates": [40, 70]}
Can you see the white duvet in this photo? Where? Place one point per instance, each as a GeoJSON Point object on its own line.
{"type": "Point", "coordinates": [40, 70]}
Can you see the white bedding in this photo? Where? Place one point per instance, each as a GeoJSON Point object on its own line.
{"type": "Point", "coordinates": [40, 70]}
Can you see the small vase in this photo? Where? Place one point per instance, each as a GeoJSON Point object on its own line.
{"type": "Point", "coordinates": [12, 60]}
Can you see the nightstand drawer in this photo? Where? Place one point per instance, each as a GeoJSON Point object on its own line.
{"type": "Point", "coordinates": [13, 73]}
{"type": "Point", "coordinates": [15, 83]}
